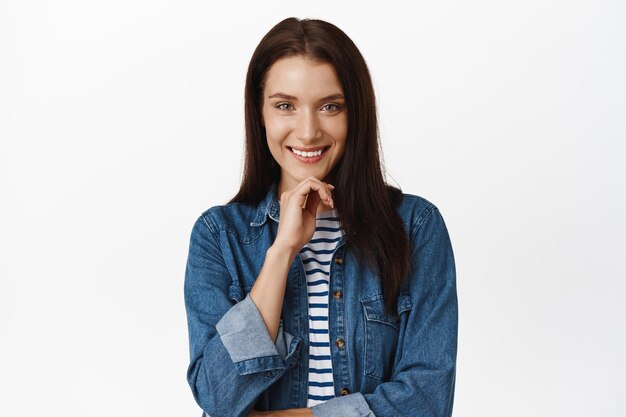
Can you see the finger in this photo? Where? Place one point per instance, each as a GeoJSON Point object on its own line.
{"type": "Point", "coordinates": [312, 202]}
{"type": "Point", "coordinates": [307, 186]}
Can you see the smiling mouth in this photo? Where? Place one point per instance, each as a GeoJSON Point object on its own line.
{"type": "Point", "coordinates": [309, 154]}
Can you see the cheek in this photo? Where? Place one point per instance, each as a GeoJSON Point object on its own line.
{"type": "Point", "coordinates": [275, 128]}
{"type": "Point", "coordinates": [341, 149]}
{"type": "Point", "coordinates": [336, 127]}
{"type": "Point", "coordinates": [341, 144]}
{"type": "Point", "coordinates": [341, 128]}
{"type": "Point", "coordinates": [341, 135]}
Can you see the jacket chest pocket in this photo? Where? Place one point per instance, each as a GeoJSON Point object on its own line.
{"type": "Point", "coordinates": [381, 334]}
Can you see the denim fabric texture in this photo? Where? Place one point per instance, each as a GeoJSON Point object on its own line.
{"type": "Point", "coordinates": [384, 365]}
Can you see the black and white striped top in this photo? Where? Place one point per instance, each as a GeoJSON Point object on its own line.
{"type": "Point", "coordinates": [316, 256]}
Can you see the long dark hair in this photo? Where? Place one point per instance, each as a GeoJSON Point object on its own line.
{"type": "Point", "coordinates": [365, 204]}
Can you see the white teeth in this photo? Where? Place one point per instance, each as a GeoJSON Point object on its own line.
{"type": "Point", "coordinates": [307, 154]}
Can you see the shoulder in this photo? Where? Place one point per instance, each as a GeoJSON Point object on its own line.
{"type": "Point", "coordinates": [234, 218]}
{"type": "Point", "coordinates": [422, 219]}
{"type": "Point", "coordinates": [229, 215]}
{"type": "Point", "coordinates": [425, 225]}
{"type": "Point", "coordinates": [415, 210]}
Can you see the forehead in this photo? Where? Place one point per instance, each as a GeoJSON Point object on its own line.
{"type": "Point", "coordinates": [302, 77]}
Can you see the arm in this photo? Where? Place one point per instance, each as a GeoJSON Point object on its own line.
{"type": "Point", "coordinates": [422, 383]}
{"type": "Point", "coordinates": [298, 209]}
{"type": "Point", "coordinates": [233, 359]}
{"type": "Point", "coordinates": [268, 290]}
{"type": "Point", "coordinates": [238, 350]}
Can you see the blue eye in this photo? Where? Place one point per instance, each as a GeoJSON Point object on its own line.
{"type": "Point", "coordinates": [333, 106]}
{"type": "Point", "coordinates": [280, 106]}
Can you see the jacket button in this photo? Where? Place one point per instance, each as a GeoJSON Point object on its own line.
{"type": "Point", "coordinates": [344, 391]}
{"type": "Point", "coordinates": [339, 260]}
{"type": "Point", "coordinates": [340, 343]}
{"type": "Point", "coordinates": [337, 294]}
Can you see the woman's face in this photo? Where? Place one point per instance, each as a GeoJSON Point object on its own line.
{"type": "Point", "coordinates": [304, 112]}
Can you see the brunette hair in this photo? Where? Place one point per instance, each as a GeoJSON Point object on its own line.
{"type": "Point", "coordinates": [365, 204]}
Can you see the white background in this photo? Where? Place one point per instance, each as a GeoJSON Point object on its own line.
{"type": "Point", "coordinates": [121, 121]}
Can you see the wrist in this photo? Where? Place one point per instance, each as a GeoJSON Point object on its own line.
{"type": "Point", "coordinates": [278, 250]}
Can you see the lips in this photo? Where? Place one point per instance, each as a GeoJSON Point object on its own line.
{"type": "Point", "coordinates": [317, 148]}
{"type": "Point", "coordinates": [309, 155]}
{"type": "Point", "coordinates": [309, 152]}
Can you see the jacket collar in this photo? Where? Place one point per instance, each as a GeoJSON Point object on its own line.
{"type": "Point", "coordinates": [269, 206]}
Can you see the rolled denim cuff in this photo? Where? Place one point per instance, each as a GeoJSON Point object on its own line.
{"type": "Point", "coordinates": [249, 345]}
{"type": "Point", "coordinates": [353, 405]}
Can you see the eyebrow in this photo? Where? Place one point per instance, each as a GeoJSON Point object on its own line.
{"type": "Point", "coordinates": [294, 98]}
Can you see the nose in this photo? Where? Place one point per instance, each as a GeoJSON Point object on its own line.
{"type": "Point", "coordinates": [308, 126]}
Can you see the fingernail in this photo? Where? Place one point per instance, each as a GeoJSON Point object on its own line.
{"type": "Point", "coordinates": [331, 186]}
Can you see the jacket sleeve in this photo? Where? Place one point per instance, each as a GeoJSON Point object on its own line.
{"type": "Point", "coordinates": [232, 356]}
{"type": "Point", "coordinates": [423, 380]}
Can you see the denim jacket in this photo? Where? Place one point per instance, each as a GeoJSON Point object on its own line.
{"type": "Point", "coordinates": [384, 365]}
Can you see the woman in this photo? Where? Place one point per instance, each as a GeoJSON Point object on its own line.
{"type": "Point", "coordinates": [319, 290]}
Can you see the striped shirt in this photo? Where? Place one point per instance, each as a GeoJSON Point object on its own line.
{"type": "Point", "coordinates": [316, 256]}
